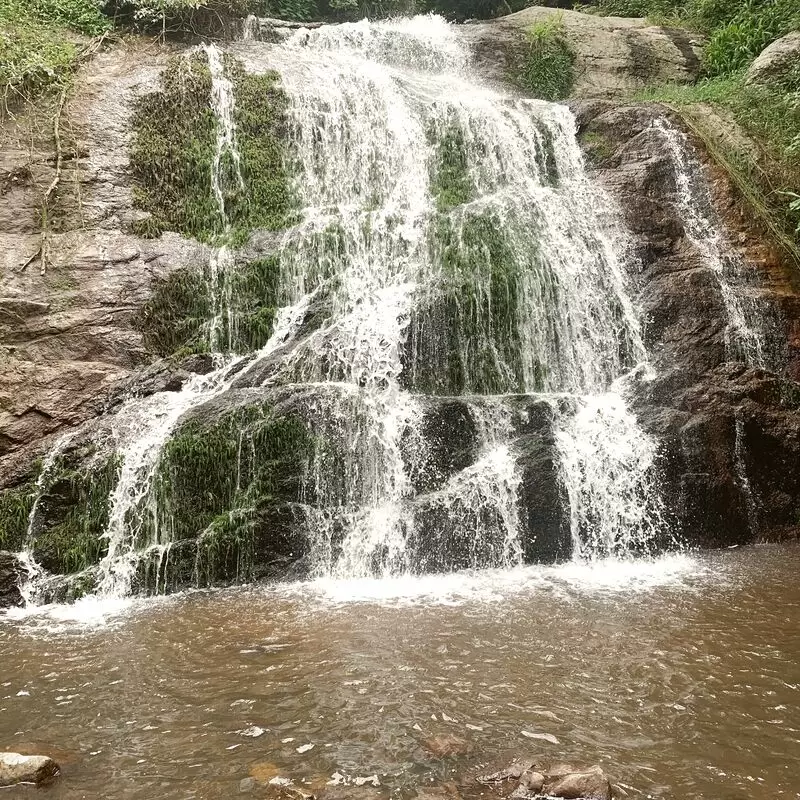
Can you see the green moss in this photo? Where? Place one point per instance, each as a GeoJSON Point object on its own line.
{"type": "Point", "coordinates": [174, 321]}
{"type": "Point", "coordinates": [236, 467]}
{"type": "Point", "coordinates": [15, 508]}
{"type": "Point", "coordinates": [261, 129]}
{"type": "Point", "coordinates": [548, 71]}
{"type": "Point", "coordinates": [450, 182]}
{"type": "Point", "coordinates": [254, 293]}
{"type": "Point", "coordinates": [465, 336]}
{"type": "Point", "coordinates": [597, 146]}
{"type": "Point", "coordinates": [173, 152]}
{"type": "Point", "coordinates": [74, 511]}
{"type": "Point", "coordinates": [174, 318]}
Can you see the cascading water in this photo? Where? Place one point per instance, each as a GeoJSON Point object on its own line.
{"type": "Point", "coordinates": [746, 314]}
{"type": "Point", "coordinates": [457, 248]}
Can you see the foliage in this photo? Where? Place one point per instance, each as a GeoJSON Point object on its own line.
{"type": "Point", "coordinates": [175, 315]}
{"type": "Point", "coordinates": [254, 304]}
{"type": "Point", "coordinates": [451, 183]}
{"type": "Point", "coordinates": [464, 338]}
{"type": "Point", "coordinates": [549, 69]}
{"type": "Point", "coordinates": [219, 481]}
{"type": "Point", "coordinates": [173, 152]}
{"type": "Point", "coordinates": [15, 508]}
{"type": "Point", "coordinates": [173, 149]}
{"type": "Point", "coordinates": [737, 30]}
{"type": "Point", "coordinates": [597, 146]}
{"type": "Point", "coordinates": [174, 321]}
{"type": "Point", "coordinates": [36, 48]}
{"type": "Point", "coordinates": [75, 509]}
{"type": "Point", "coordinates": [262, 132]}
{"type": "Point", "coordinates": [771, 116]}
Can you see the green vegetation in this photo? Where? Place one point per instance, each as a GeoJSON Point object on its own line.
{"type": "Point", "coordinates": [254, 293]}
{"type": "Point", "coordinates": [38, 43]}
{"type": "Point", "coordinates": [770, 115]}
{"type": "Point", "coordinates": [175, 315]}
{"type": "Point", "coordinates": [75, 509]}
{"type": "Point", "coordinates": [549, 68]}
{"type": "Point", "coordinates": [597, 146]}
{"type": "Point", "coordinates": [261, 132]}
{"type": "Point", "coordinates": [736, 31]}
{"type": "Point", "coordinates": [220, 482]}
{"type": "Point", "coordinates": [173, 152]}
{"type": "Point", "coordinates": [174, 321]}
{"type": "Point", "coordinates": [15, 508]}
{"type": "Point", "coordinates": [451, 183]}
{"type": "Point", "coordinates": [465, 337]}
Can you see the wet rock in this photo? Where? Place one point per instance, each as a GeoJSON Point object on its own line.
{"type": "Point", "coordinates": [514, 771]}
{"type": "Point", "coordinates": [11, 573]}
{"type": "Point", "coordinates": [67, 327]}
{"type": "Point", "coordinates": [447, 744]}
{"type": "Point", "coordinates": [590, 784]}
{"type": "Point", "coordinates": [614, 55]}
{"type": "Point", "coordinates": [531, 783]}
{"type": "Point", "coordinates": [776, 61]}
{"type": "Point", "coordinates": [16, 768]}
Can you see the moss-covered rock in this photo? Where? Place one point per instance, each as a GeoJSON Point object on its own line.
{"type": "Point", "coordinates": [15, 508]}
{"type": "Point", "coordinates": [451, 183]}
{"type": "Point", "coordinates": [174, 317]}
{"type": "Point", "coordinates": [175, 320]}
{"type": "Point", "coordinates": [222, 483]}
{"type": "Point", "coordinates": [73, 512]}
{"type": "Point", "coordinates": [464, 335]}
{"type": "Point", "coordinates": [173, 152]}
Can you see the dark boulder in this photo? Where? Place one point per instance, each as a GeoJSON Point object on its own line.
{"type": "Point", "coordinates": [12, 572]}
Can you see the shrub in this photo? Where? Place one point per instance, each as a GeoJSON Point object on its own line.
{"type": "Point", "coordinates": [35, 47]}
{"type": "Point", "coordinates": [549, 69]}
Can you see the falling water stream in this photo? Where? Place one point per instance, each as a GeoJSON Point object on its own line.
{"type": "Point", "coordinates": [373, 110]}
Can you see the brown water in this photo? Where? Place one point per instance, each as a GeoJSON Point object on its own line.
{"type": "Point", "coordinates": [682, 679]}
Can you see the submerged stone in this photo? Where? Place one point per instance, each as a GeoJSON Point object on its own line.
{"type": "Point", "coordinates": [590, 784]}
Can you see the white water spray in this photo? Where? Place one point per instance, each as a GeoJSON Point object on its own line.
{"type": "Point", "coordinates": [743, 337]}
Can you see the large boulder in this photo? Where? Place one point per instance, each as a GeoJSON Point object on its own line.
{"type": "Point", "coordinates": [613, 55]}
{"type": "Point", "coordinates": [773, 65]}
{"type": "Point", "coordinates": [16, 768]}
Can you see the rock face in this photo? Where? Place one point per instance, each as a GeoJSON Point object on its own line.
{"type": "Point", "coordinates": [16, 768]}
{"type": "Point", "coordinates": [728, 451]}
{"type": "Point", "coordinates": [10, 573]}
{"type": "Point", "coordinates": [67, 327]}
{"type": "Point", "coordinates": [614, 55]}
{"type": "Point", "coordinates": [776, 60]}
{"type": "Point", "coordinates": [726, 421]}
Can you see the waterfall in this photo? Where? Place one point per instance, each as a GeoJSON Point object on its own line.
{"type": "Point", "coordinates": [457, 249]}
{"type": "Point", "coordinates": [744, 337]}
{"type": "Point", "coordinates": [602, 447]}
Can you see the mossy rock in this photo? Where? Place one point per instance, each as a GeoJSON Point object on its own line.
{"type": "Point", "coordinates": [73, 513]}
{"type": "Point", "coordinates": [464, 335]}
{"type": "Point", "coordinates": [173, 151]}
